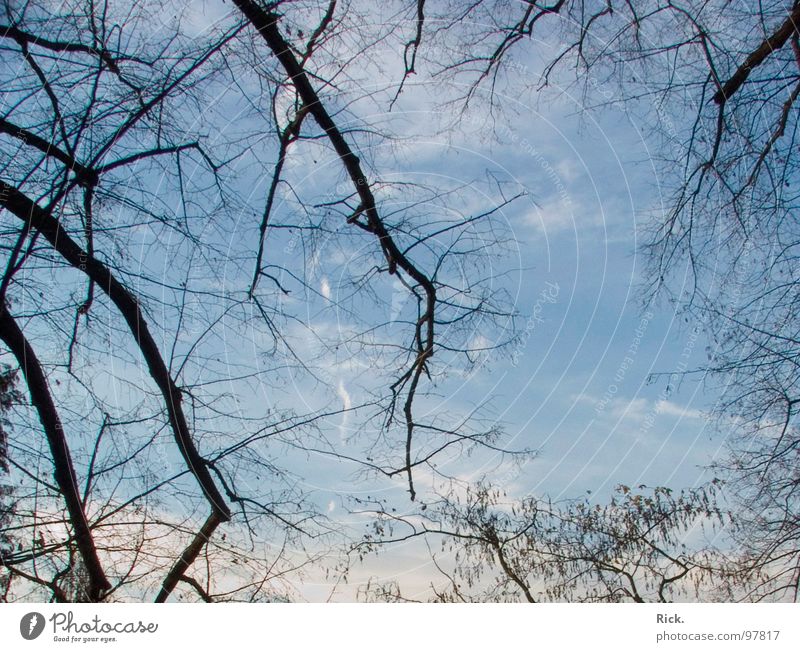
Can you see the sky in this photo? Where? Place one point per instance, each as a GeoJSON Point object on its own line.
{"type": "Point", "coordinates": [590, 384]}
{"type": "Point", "coordinates": [588, 380]}
{"type": "Point", "coordinates": [578, 385]}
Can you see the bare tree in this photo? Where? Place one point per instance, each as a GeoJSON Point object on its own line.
{"type": "Point", "coordinates": [127, 303]}
{"type": "Point", "coordinates": [8, 395]}
{"type": "Point", "coordinates": [645, 545]}
{"type": "Point", "coordinates": [204, 243]}
{"type": "Point", "coordinates": [718, 84]}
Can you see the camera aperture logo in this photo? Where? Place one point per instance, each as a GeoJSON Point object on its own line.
{"type": "Point", "coordinates": [31, 625]}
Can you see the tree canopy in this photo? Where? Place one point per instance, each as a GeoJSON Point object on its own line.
{"type": "Point", "coordinates": [236, 268]}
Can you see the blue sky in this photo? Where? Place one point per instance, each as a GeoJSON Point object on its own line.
{"type": "Point", "coordinates": [578, 386]}
{"type": "Point", "coordinates": [589, 188]}
{"type": "Point", "coordinates": [587, 382]}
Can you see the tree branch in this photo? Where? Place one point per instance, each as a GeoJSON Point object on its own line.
{"type": "Point", "coordinates": [759, 55]}
{"type": "Point", "coordinates": [187, 558]}
{"type": "Point", "coordinates": [266, 22]}
{"type": "Point", "coordinates": [64, 471]}
{"type": "Point", "coordinates": [21, 37]}
{"type": "Point", "coordinates": [30, 212]}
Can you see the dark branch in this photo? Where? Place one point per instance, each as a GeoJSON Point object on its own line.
{"type": "Point", "coordinates": [187, 558]}
{"type": "Point", "coordinates": [64, 470]}
{"type": "Point", "coordinates": [43, 222]}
